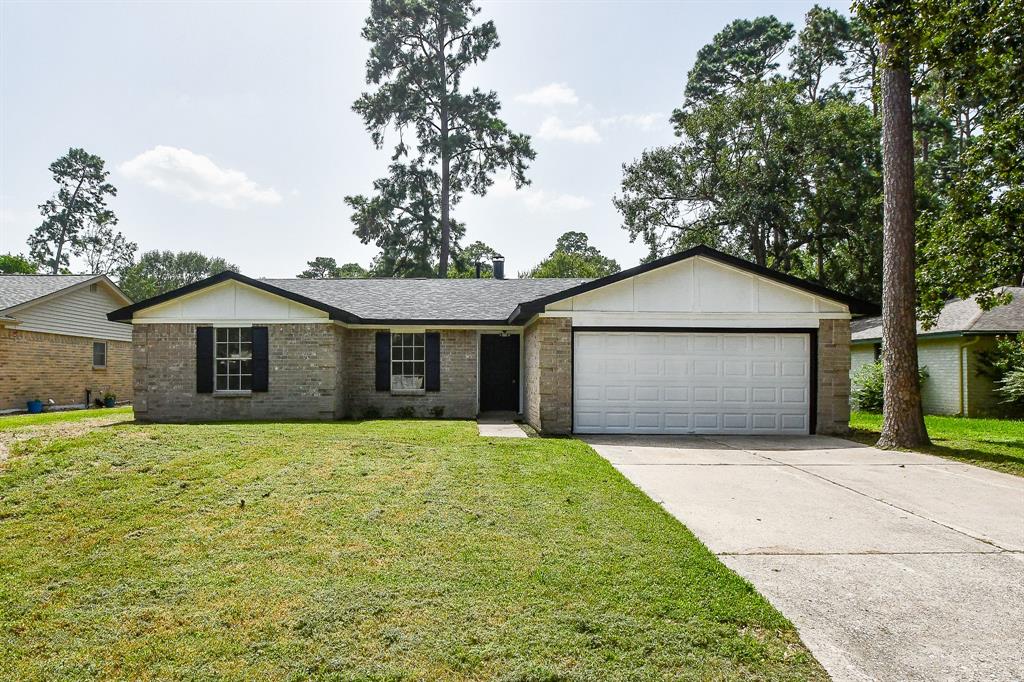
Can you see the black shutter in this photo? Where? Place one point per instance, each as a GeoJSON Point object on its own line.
{"type": "Point", "coordinates": [204, 359]}
{"type": "Point", "coordinates": [383, 361]}
{"type": "Point", "coordinates": [433, 351]}
{"type": "Point", "coordinates": [260, 360]}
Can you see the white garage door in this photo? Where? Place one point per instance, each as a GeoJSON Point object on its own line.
{"type": "Point", "coordinates": [647, 382]}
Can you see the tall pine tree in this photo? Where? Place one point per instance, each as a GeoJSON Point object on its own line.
{"type": "Point", "coordinates": [420, 51]}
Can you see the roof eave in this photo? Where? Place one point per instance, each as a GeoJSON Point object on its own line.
{"type": "Point", "coordinates": [127, 313]}
{"type": "Point", "coordinates": [856, 306]}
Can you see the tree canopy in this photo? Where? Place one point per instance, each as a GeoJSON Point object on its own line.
{"type": "Point", "coordinates": [464, 261]}
{"type": "Point", "coordinates": [420, 52]}
{"type": "Point", "coordinates": [969, 113]}
{"type": "Point", "coordinates": [323, 267]}
{"type": "Point", "coordinates": [574, 256]}
{"type": "Point", "coordinates": [16, 264]}
{"type": "Point", "coordinates": [158, 272]}
{"type": "Point", "coordinates": [779, 167]}
{"type": "Point", "coordinates": [78, 205]}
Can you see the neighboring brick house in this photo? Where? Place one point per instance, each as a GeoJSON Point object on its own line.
{"type": "Point", "coordinates": [951, 351]}
{"type": "Point", "coordinates": [56, 343]}
{"type": "Point", "coordinates": [697, 342]}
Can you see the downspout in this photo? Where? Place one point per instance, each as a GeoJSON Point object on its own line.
{"type": "Point", "coordinates": [962, 378]}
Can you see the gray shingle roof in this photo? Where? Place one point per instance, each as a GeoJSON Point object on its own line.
{"type": "Point", "coordinates": [963, 316]}
{"type": "Point", "coordinates": [425, 299]}
{"type": "Point", "coordinates": [18, 289]}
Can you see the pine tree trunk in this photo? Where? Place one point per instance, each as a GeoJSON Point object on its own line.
{"type": "Point", "coordinates": [903, 420]}
{"type": "Point", "coordinates": [446, 229]}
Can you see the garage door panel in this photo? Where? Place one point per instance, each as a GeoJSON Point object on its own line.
{"type": "Point", "coordinates": [691, 382]}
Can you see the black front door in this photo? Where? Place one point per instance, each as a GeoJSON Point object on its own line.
{"type": "Point", "coordinates": [499, 372]}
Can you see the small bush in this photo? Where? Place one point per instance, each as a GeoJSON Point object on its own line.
{"type": "Point", "coordinates": [437, 411]}
{"type": "Point", "coordinates": [371, 412]}
{"type": "Point", "coordinates": [405, 412]}
{"type": "Point", "coordinates": [868, 384]}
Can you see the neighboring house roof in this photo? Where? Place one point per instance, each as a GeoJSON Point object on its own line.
{"type": "Point", "coordinates": [959, 317]}
{"type": "Point", "coordinates": [18, 290]}
{"type": "Point", "coordinates": [458, 301]}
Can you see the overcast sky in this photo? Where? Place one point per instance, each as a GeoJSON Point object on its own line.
{"type": "Point", "coordinates": [227, 127]}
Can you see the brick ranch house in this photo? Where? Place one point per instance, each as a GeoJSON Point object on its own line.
{"type": "Point", "coordinates": [57, 344]}
{"type": "Point", "coordinates": [697, 342]}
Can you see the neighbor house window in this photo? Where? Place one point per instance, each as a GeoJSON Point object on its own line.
{"type": "Point", "coordinates": [232, 355]}
{"type": "Point", "coordinates": [407, 365]}
{"type": "Point", "coordinates": [99, 354]}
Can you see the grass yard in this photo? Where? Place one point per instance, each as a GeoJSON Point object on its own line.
{"type": "Point", "coordinates": [376, 550]}
{"type": "Point", "coordinates": [16, 421]}
{"type": "Point", "coordinates": [993, 443]}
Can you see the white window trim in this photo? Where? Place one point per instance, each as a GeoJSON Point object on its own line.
{"type": "Point", "coordinates": [106, 349]}
{"type": "Point", "coordinates": [391, 363]}
{"type": "Point", "coordinates": [229, 392]}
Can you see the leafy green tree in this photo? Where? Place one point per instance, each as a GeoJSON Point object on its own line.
{"type": "Point", "coordinates": [352, 271]}
{"type": "Point", "coordinates": [401, 220]}
{"type": "Point", "coordinates": [80, 199]}
{"type": "Point", "coordinates": [16, 264]}
{"type": "Point", "coordinates": [158, 272]}
{"type": "Point", "coordinates": [420, 51]}
{"type": "Point", "coordinates": [321, 267]}
{"type": "Point", "coordinates": [464, 261]}
{"type": "Point", "coordinates": [574, 256]}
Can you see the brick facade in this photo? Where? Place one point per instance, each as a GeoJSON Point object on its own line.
{"type": "Point", "coordinates": [548, 375]}
{"type": "Point", "coordinates": [457, 396]}
{"type": "Point", "coordinates": [833, 377]}
{"type": "Point", "coordinates": [303, 376]}
{"type": "Point", "coordinates": [58, 367]}
{"type": "Point", "coordinates": [317, 371]}
{"type": "Point", "coordinates": [322, 371]}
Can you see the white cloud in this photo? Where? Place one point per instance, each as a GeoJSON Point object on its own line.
{"type": "Point", "coordinates": [185, 174]}
{"type": "Point", "coordinates": [538, 200]}
{"type": "Point", "coordinates": [552, 94]}
{"type": "Point", "coordinates": [645, 122]}
{"type": "Point", "coordinates": [552, 128]}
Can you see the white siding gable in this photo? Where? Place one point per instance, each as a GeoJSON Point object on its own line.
{"type": "Point", "coordinates": [81, 311]}
{"type": "Point", "coordinates": [230, 301]}
{"type": "Point", "coordinates": [699, 289]}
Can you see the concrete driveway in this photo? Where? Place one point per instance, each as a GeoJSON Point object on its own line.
{"type": "Point", "coordinates": [893, 566]}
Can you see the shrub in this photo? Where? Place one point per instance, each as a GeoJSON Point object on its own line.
{"type": "Point", "coordinates": [405, 412]}
{"type": "Point", "coordinates": [437, 411]}
{"type": "Point", "coordinates": [1005, 357]}
{"type": "Point", "coordinates": [868, 384]}
{"type": "Point", "coordinates": [1011, 387]}
{"type": "Point", "coordinates": [371, 412]}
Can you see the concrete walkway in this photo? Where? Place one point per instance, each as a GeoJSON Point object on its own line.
{"type": "Point", "coordinates": [499, 425]}
{"type": "Point", "coordinates": [893, 566]}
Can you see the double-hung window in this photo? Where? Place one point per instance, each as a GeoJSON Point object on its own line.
{"type": "Point", "coordinates": [408, 367]}
{"type": "Point", "coordinates": [99, 354]}
{"type": "Point", "coordinates": [233, 359]}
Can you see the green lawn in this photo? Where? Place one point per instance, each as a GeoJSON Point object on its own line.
{"type": "Point", "coordinates": [379, 550]}
{"type": "Point", "coordinates": [15, 421]}
{"type": "Point", "coordinates": [993, 443]}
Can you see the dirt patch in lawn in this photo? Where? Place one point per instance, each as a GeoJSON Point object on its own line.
{"type": "Point", "coordinates": [47, 433]}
